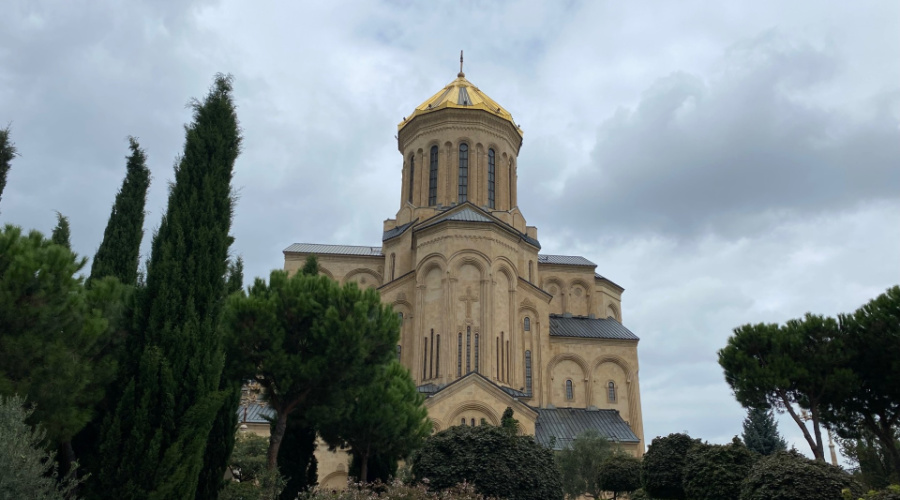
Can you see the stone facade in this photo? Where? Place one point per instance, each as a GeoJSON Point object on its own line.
{"type": "Point", "coordinates": [488, 322]}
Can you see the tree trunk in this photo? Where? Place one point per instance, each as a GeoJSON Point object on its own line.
{"type": "Point", "coordinates": [364, 466]}
{"type": "Point", "coordinates": [820, 447]}
{"type": "Point", "coordinates": [790, 410]}
{"type": "Point", "coordinates": [884, 432]}
{"type": "Point", "coordinates": [275, 440]}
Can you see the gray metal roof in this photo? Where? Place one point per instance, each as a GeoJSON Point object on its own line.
{"type": "Point", "coordinates": [592, 328]}
{"type": "Point", "coordinates": [316, 248]}
{"type": "Point", "coordinates": [255, 413]}
{"type": "Point", "coordinates": [465, 215]}
{"type": "Point", "coordinates": [566, 260]}
{"type": "Point", "coordinates": [557, 427]}
{"type": "Point", "coordinates": [397, 231]}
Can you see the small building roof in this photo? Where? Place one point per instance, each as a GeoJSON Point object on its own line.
{"type": "Point", "coordinates": [565, 260]}
{"type": "Point", "coordinates": [557, 427]}
{"type": "Point", "coordinates": [397, 231]}
{"type": "Point", "coordinates": [316, 248]}
{"type": "Point", "coordinates": [255, 413]}
{"type": "Point", "coordinates": [592, 328]}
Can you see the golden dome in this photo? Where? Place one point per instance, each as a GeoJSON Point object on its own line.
{"type": "Point", "coordinates": [460, 94]}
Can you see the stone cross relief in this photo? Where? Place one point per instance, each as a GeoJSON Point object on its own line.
{"type": "Point", "coordinates": [469, 299]}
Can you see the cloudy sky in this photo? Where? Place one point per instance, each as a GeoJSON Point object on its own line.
{"type": "Point", "coordinates": [725, 162]}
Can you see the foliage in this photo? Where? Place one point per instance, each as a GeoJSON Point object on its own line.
{"type": "Point", "coordinates": [385, 418]}
{"type": "Point", "coordinates": [619, 473]}
{"type": "Point", "coordinates": [579, 462]}
{"type": "Point", "coordinates": [398, 491]}
{"type": "Point", "coordinates": [154, 445]}
{"type": "Point", "coordinates": [508, 422]}
{"type": "Point", "coordinates": [497, 462]}
{"type": "Point", "coordinates": [252, 478]}
{"type": "Point", "coordinates": [761, 432]}
{"type": "Point", "coordinates": [26, 470]}
{"type": "Point", "coordinates": [788, 475]}
{"type": "Point", "coordinates": [872, 340]}
{"type": "Point", "coordinates": [296, 458]}
{"type": "Point", "coordinates": [121, 246]}
{"type": "Point", "coordinates": [715, 472]}
{"type": "Point", "coordinates": [662, 468]}
{"type": "Point", "coordinates": [891, 492]}
{"type": "Point", "coordinates": [52, 329]}
{"type": "Point", "coordinates": [7, 153]}
{"type": "Point", "coordinates": [61, 234]}
{"type": "Point", "coordinates": [306, 340]}
{"type": "Point", "coordinates": [871, 465]}
{"type": "Point", "coordinates": [798, 364]}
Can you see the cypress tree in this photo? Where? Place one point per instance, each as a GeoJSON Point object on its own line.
{"type": "Point", "coordinates": [154, 444]}
{"type": "Point", "coordinates": [121, 247]}
{"type": "Point", "coordinates": [7, 153]}
{"type": "Point", "coordinates": [761, 432]}
{"type": "Point", "coordinates": [61, 233]}
{"type": "Point", "coordinates": [220, 443]}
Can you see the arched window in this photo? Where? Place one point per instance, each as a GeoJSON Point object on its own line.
{"type": "Point", "coordinates": [570, 395]}
{"type": "Point", "coordinates": [611, 391]}
{"type": "Point", "coordinates": [463, 172]}
{"type": "Point", "coordinates": [507, 360]}
{"type": "Point", "coordinates": [473, 422]}
{"type": "Point", "coordinates": [462, 421]}
{"type": "Point", "coordinates": [468, 349]}
{"type": "Point", "coordinates": [431, 360]}
{"type": "Point", "coordinates": [528, 372]}
{"type": "Point", "coordinates": [497, 352]}
{"type": "Point", "coordinates": [437, 356]}
{"type": "Point", "coordinates": [433, 177]}
{"type": "Point", "coordinates": [512, 181]}
{"type": "Point", "coordinates": [531, 271]}
{"type": "Point", "coordinates": [527, 324]}
{"type": "Point", "coordinates": [393, 265]}
{"type": "Point", "coordinates": [483, 421]}
{"type": "Point", "coordinates": [476, 352]}
{"type": "Point", "coordinates": [459, 356]}
{"type": "Point", "coordinates": [491, 177]}
{"type": "Point", "coordinates": [502, 358]}
{"type": "Point", "coordinates": [400, 315]}
{"type": "Point", "coordinates": [398, 352]}
{"type": "Point", "coordinates": [412, 177]}
{"type": "Point", "coordinates": [425, 361]}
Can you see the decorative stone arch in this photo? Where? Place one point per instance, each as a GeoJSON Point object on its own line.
{"type": "Point", "coordinates": [326, 272]}
{"type": "Point", "coordinates": [429, 261]}
{"type": "Point", "coordinates": [580, 282]}
{"type": "Point", "coordinates": [362, 270]}
{"type": "Point", "coordinates": [403, 303]}
{"type": "Point", "coordinates": [552, 280]}
{"type": "Point", "coordinates": [436, 425]}
{"type": "Point", "coordinates": [502, 259]}
{"type": "Point", "coordinates": [464, 139]}
{"type": "Point", "coordinates": [510, 275]}
{"type": "Point", "coordinates": [335, 474]}
{"type": "Point", "coordinates": [526, 309]}
{"type": "Point", "coordinates": [629, 377]}
{"type": "Point", "coordinates": [470, 256]}
{"type": "Point", "coordinates": [568, 356]}
{"type": "Point", "coordinates": [615, 310]}
{"type": "Point", "coordinates": [472, 405]}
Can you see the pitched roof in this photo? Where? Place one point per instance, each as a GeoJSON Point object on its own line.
{"type": "Point", "coordinates": [397, 231]}
{"type": "Point", "coordinates": [593, 328]}
{"type": "Point", "coordinates": [316, 248]}
{"type": "Point", "coordinates": [557, 427]}
{"type": "Point", "coordinates": [255, 413]}
{"type": "Point", "coordinates": [566, 260]}
{"type": "Point", "coordinates": [431, 389]}
{"type": "Point", "coordinates": [469, 212]}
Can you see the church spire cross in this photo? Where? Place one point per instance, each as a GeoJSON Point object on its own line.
{"type": "Point", "coordinates": [461, 74]}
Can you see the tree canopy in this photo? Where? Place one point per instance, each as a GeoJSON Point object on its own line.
{"type": "Point", "coordinates": [787, 475]}
{"type": "Point", "coordinates": [579, 462]}
{"type": "Point", "coordinates": [662, 469]}
{"type": "Point", "coordinates": [716, 472]}
{"type": "Point", "coordinates": [497, 462]}
{"type": "Point", "coordinates": [7, 153]}
{"type": "Point", "coordinates": [61, 234]}
{"type": "Point", "coordinates": [619, 473]}
{"type": "Point", "coordinates": [761, 432]}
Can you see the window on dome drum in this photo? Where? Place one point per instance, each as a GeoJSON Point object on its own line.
{"type": "Point", "coordinates": [468, 349]}
{"type": "Point", "coordinates": [459, 356]}
{"type": "Point", "coordinates": [491, 174]}
{"type": "Point", "coordinates": [463, 172]}
{"type": "Point", "coordinates": [502, 358]}
{"type": "Point", "coordinates": [433, 177]}
{"type": "Point", "coordinates": [570, 395]}
{"type": "Point", "coordinates": [527, 324]}
{"type": "Point", "coordinates": [611, 391]}
{"type": "Point", "coordinates": [431, 361]}
{"type": "Point", "coordinates": [528, 372]}
{"type": "Point", "coordinates": [412, 178]}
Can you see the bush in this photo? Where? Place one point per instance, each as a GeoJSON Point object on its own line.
{"type": "Point", "coordinates": [396, 491]}
{"type": "Point", "coordinates": [619, 473]}
{"type": "Point", "coordinates": [663, 464]}
{"type": "Point", "coordinates": [892, 492]}
{"type": "Point", "coordinates": [791, 476]}
{"type": "Point", "coordinates": [253, 479]}
{"type": "Point", "coordinates": [497, 462]}
{"type": "Point", "coordinates": [715, 472]}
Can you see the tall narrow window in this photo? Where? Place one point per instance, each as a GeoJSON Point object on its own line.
{"type": "Point", "coordinates": [491, 177]}
{"type": "Point", "coordinates": [431, 359]}
{"type": "Point", "coordinates": [462, 421]}
{"type": "Point", "coordinates": [512, 181]}
{"type": "Point", "coordinates": [459, 356]}
{"type": "Point", "coordinates": [527, 324]}
{"type": "Point", "coordinates": [476, 352]}
{"type": "Point", "coordinates": [433, 177]}
{"type": "Point", "coordinates": [398, 353]}
{"type": "Point", "coordinates": [425, 361]}
{"type": "Point", "coordinates": [468, 349]}
{"type": "Point", "coordinates": [528, 372]}
{"type": "Point", "coordinates": [570, 394]}
{"type": "Point", "coordinates": [531, 271]}
{"type": "Point", "coordinates": [502, 359]}
{"type": "Point", "coordinates": [497, 352]}
{"type": "Point", "coordinates": [611, 391]}
{"type": "Point", "coordinates": [507, 361]}
{"type": "Point", "coordinates": [437, 356]}
{"type": "Point", "coordinates": [400, 316]}
{"type": "Point", "coordinates": [463, 172]}
{"type": "Point", "coordinates": [412, 178]}
{"type": "Point", "coordinates": [393, 265]}
{"type": "Point", "coordinates": [473, 422]}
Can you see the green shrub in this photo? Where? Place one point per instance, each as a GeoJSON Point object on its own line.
{"type": "Point", "coordinates": [715, 472]}
{"type": "Point", "coordinates": [791, 476]}
{"type": "Point", "coordinates": [892, 492]}
{"type": "Point", "coordinates": [663, 464]}
{"type": "Point", "coordinates": [497, 462]}
{"type": "Point", "coordinates": [619, 473]}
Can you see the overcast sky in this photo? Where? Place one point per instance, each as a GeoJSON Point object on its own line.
{"type": "Point", "coordinates": [725, 162]}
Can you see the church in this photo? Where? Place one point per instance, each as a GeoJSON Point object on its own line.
{"type": "Point", "coordinates": [488, 321]}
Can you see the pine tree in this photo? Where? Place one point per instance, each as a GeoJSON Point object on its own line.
{"type": "Point", "coordinates": [761, 432]}
{"type": "Point", "coordinates": [7, 153]}
{"type": "Point", "coordinates": [154, 444]}
{"type": "Point", "coordinates": [61, 233]}
{"type": "Point", "coordinates": [121, 247]}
